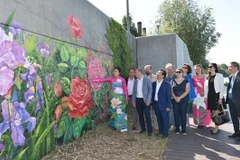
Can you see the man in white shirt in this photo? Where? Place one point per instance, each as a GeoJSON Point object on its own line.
{"type": "Point", "coordinates": [130, 83]}
{"type": "Point", "coordinates": [233, 97]}
{"type": "Point", "coordinates": [161, 98]}
{"type": "Point", "coordinates": [141, 99]}
{"type": "Point", "coordinates": [148, 72]}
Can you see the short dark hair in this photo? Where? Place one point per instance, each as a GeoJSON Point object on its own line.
{"type": "Point", "coordinates": [235, 64]}
{"type": "Point", "coordinates": [131, 69]}
{"type": "Point", "coordinates": [118, 68]}
{"type": "Point", "coordinates": [164, 73]}
{"type": "Point", "coordinates": [188, 67]}
{"type": "Point", "coordinates": [139, 70]}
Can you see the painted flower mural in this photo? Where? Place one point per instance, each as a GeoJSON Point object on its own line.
{"type": "Point", "coordinates": [75, 27]}
{"type": "Point", "coordinates": [45, 94]}
{"type": "Point", "coordinates": [95, 70]}
{"type": "Point", "coordinates": [80, 99]}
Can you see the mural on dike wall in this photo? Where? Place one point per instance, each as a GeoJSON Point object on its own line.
{"type": "Point", "coordinates": [45, 93]}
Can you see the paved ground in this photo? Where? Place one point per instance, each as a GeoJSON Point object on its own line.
{"type": "Point", "coordinates": [199, 144]}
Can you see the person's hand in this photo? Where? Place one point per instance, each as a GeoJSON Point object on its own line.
{"type": "Point", "coordinates": [177, 99]}
{"type": "Point", "coordinates": [205, 100]}
{"type": "Point", "coordinates": [167, 109]}
{"type": "Point", "coordinates": [148, 104]}
{"type": "Point", "coordinates": [220, 101]}
{"type": "Point", "coordinates": [134, 105]}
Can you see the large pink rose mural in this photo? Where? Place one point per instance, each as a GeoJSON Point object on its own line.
{"type": "Point", "coordinates": [95, 70]}
{"type": "Point", "coordinates": [75, 27]}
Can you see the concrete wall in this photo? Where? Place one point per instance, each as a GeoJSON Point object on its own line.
{"type": "Point", "coordinates": [49, 17]}
{"type": "Point", "coordinates": [160, 50]}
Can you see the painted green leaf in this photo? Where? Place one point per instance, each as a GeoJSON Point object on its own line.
{"type": "Point", "coordinates": [65, 84]}
{"type": "Point", "coordinates": [82, 64]}
{"type": "Point", "coordinates": [83, 74]}
{"type": "Point", "coordinates": [62, 124]}
{"type": "Point", "coordinates": [74, 61]}
{"type": "Point", "coordinates": [64, 54]}
{"type": "Point", "coordinates": [78, 125]}
{"type": "Point", "coordinates": [21, 154]}
{"type": "Point", "coordinates": [114, 115]}
{"type": "Point", "coordinates": [201, 109]}
{"type": "Point", "coordinates": [9, 22]}
{"type": "Point", "coordinates": [30, 43]}
{"type": "Point", "coordinates": [68, 135]}
{"type": "Point", "coordinates": [30, 108]}
{"type": "Point", "coordinates": [62, 67]}
{"type": "Point", "coordinates": [17, 82]}
{"type": "Point", "coordinates": [40, 139]}
{"type": "Point", "coordinates": [82, 52]}
{"type": "Point", "coordinates": [89, 121]}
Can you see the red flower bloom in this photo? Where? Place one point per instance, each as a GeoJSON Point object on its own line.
{"type": "Point", "coordinates": [58, 88]}
{"type": "Point", "coordinates": [75, 27]}
{"type": "Point", "coordinates": [80, 99]}
{"type": "Point", "coordinates": [95, 70]}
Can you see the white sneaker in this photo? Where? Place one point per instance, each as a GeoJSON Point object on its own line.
{"type": "Point", "coordinates": [172, 128]}
{"type": "Point", "coordinates": [123, 130]}
{"type": "Point", "coordinates": [184, 134]}
{"type": "Point", "coordinates": [177, 133]}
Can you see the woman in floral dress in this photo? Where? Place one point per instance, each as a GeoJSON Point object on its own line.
{"type": "Point", "coordinates": [201, 114]}
{"type": "Point", "coordinates": [119, 100]}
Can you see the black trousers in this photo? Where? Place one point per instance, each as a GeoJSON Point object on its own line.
{"type": "Point", "coordinates": [235, 115]}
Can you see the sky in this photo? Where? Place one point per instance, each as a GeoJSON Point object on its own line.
{"type": "Point", "coordinates": [226, 13]}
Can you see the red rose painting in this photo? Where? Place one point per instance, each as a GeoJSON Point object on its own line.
{"type": "Point", "coordinates": [80, 99]}
{"type": "Point", "coordinates": [95, 70]}
{"type": "Point", "coordinates": [75, 27]}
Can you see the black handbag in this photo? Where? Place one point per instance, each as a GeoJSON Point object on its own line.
{"type": "Point", "coordinates": [221, 117]}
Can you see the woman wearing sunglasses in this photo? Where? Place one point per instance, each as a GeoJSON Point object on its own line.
{"type": "Point", "coordinates": [187, 70]}
{"type": "Point", "coordinates": [213, 91]}
{"type": "Point", "coordinates": [180, 90]}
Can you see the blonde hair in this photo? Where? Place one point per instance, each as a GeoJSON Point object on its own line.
{"type": "Point", "coordinates": [200, 66]}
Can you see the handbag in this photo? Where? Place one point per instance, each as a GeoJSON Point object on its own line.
{"type": "Point", "coordinates": [221, 117]}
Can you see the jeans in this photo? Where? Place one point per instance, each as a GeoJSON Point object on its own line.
{"type": "Point", "coordinates": [180, 111]}
{"type": "Point", "coordinates": [171, 117]}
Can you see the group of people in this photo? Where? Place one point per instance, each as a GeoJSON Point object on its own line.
{"type": "Point", "coordinates": [165, 99]}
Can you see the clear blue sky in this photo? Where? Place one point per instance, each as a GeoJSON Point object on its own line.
{"type": "Point", "coordinates": [226, 13]}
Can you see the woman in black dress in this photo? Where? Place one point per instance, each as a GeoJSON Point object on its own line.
{"type": "Point", "coordinates": [180, 91]}
{"type": "Point", "coordinates": [213, 91]}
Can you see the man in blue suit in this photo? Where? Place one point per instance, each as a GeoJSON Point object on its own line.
{"type": "Point", "coordinates": [233, 97]}
{"type": "Point", "coordinates": [161, 98]}
{"type": "Point", "coordinates": [141, 99]}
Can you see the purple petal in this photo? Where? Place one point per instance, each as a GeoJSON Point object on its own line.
{"type": "Point", "coordinates": [23, 76]}
{"type": "Point", "coordinates": [17, 135]}
{"type": "Point", "coordinates": [37, 106]}
{"type": "Point", "coordinates": [6, 80]}
{"type": "Point", "coordinates": [3, 128]}
{"type": "Point", "coordinates": [1, 146]}
{"type": "Point", "coordinates": [5, 113]}
{"type": "Point", "coordinates": [31, 124]}
{"type": "Point", "coordinates": [48, 79]}
{"type": "Point", "coordinates": [23, 114]}
{"type": "Point", "coordinates": [55, 128]}
{"type": "Point", "coordinates": [15, 96]}
{"type": "Point", "coordinates": [29, 95]}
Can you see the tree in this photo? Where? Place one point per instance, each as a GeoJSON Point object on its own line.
{"type": "Point", "coordinates": [133, 29]}
{"type": "Point", "coordinates": [194, 25]}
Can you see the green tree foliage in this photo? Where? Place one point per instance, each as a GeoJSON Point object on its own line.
{"type": "Point", "coordinates": [223, 68]}
{"type": "Point", "coordinates": [195, 25]}
{"type": "Point", "coordinates": [133, 29]}
{"type": "Point", "coordinates": [118, 43]}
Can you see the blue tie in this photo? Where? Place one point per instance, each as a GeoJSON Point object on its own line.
{"type": "Point", "coordinates": [231, 86]}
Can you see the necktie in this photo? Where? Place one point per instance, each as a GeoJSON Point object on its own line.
{"type": "Point", "coordinates": [231, 86]}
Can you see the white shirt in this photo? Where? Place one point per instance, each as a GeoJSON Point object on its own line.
{"type": "Point", "coordinates": [130, 86]}
{"type": "Point", "coordinates": [140, 88]}
{"type": "Point", "coordinates": [157, 89]}
{"type": "Point", "coordinates": [218, 85]}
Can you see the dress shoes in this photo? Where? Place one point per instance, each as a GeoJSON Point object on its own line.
{"type": "Point", "coordinates": [234, 135]}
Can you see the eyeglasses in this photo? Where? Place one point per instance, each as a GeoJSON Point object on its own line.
{"type": "Point", "coordinates": [184, 67]}
{"type": "Point", "coordinates": [178, 72]}
{"type": "Point", "coordinates": [210, 66]}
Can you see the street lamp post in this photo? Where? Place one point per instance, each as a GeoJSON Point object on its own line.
{"type": "Point", "coordinates": [128, 19]}
{"type": "Point", "coordinates": [157, 23]}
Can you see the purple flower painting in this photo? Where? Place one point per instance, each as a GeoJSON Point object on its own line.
{"type": "Point", "coordinates": [44, 50]}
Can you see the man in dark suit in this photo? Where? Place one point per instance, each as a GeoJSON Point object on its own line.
{"type": "Point", "coordinates": [233, 97]}
{"type": "Point", "coordinates": [130, 84]}
{"type": "Point", "coordinates": [141, 99]}
{"type": "Point", "coordinates": [161, 98]}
